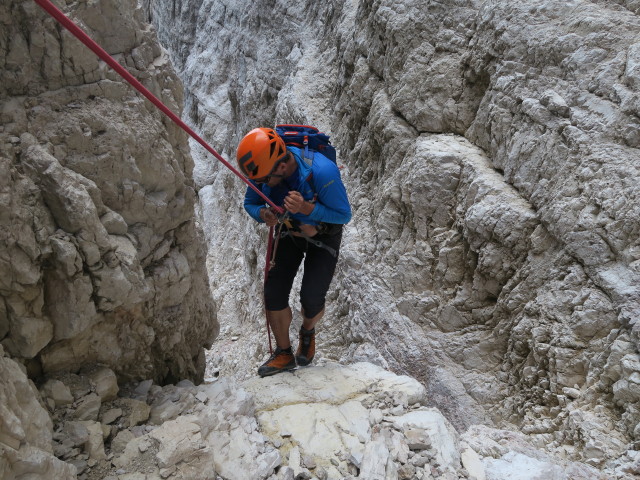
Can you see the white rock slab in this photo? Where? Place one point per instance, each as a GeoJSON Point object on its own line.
{"type": "Point", "coordinates": [444, 439]}
{"type": "Point", "coordinates": [374, 462]}
{"type": "Point", "coordinates": [331, 383]}
{"type": "Point", "coordinates": [322, 409]}
{"type": "Point", "coordinates": [320, 429]}
{"type": "Point", "coordinates": [179, 439]}
{"type": "Point", "coordinates": [516, 466]}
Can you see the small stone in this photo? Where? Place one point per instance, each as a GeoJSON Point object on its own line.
{"type": "Point", "coordinates": [309, 462]}
{"type": "Point", "coordinates": [406, 472]}
{"type": "Point", "coordinates": [375, 416]}
{"type": "Point", "coordinates": [139, 411]}
{"type": "Point", "coordinates": [203, 397]}
{"type": "Point", "coordinates": [397, 410]}
{"type": "Point", "coordinates": [419, 461]}
{"type": "Point", "coordinates": [121, 440]}
{"type": "Point", "coordinates": [88, 408]}
{"type": "Point", "coordinates": [286, 473]}
{"type": "Point", "coordinates": [81, 465]}
{"type": "Point", "coordinates": [285, 434]}
{"type": "Point", "coordinates": [141, 392]}
{"type": "Point", "coordinates": [62, 450]}
{"type": "Point", "coordinates": [58, 392]}
{"type": "Point", "coordinates": [167, 472]}
{"type": "Point", "coordinates": [572, 393]}
{"type": "Point", "coordinates": [355, 458]}
{"type": "Point", "coordinates": [143, 446]}
{"type": "Point", "coordinates": [105, 383]}
{"type": "Point", "coordinates": [417, 439]}
{"type": "Point", "coordinates": [111, 416]}
{"type": "Point", "coordinates": [114, 223]}
{"type": "Point", "coordinates": [321, 473]}
{"type": "Point", "coordinates": [75, 434]}
{"type": "Point", "coordinates": [185, 384]}
{"type": "Point", "coordinates": [594, 462]}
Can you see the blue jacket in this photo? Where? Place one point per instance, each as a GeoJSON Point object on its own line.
{"type": "Point", "coordinates": [319, 182]}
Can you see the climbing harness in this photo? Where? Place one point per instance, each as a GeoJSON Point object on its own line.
{"type": "Point", "coordinates": [294, 227]}
{"type": "Point", "coordinates": [312, 241]}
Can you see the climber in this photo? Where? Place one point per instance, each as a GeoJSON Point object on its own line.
{"type": "Point", "coordinates": [316, 207]}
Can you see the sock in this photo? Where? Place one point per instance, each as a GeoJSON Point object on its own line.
{"type": "Point", "coordinates": [304, 331]}
{"type": "Point", "coordinates": [286, 350]}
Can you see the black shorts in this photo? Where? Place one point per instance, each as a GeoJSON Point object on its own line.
{"type": "Point", "coordinates": [319, 266]}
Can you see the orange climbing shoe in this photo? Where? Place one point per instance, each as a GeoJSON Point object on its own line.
{"type": "Point", "coordinates": [306, 347]}
{"type": "Point", "coordinates": [280, 361]}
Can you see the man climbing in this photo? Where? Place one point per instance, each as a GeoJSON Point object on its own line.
{"type": "Point", "coordinates": [316, 204]}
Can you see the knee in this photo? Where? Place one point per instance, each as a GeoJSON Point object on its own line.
{"type": "Point", "coordinates": [311, 308]}
{"type": "Point", "coordinates": [275, 298]}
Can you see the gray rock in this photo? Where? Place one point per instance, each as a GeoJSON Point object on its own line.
{"type": "Point", "coordinates": [58, 392]}
{"type": "Point", "coordinates": [111, 415]}
{"type": "Point", "coordinates": [99, 188]}
{"type": "Point", "coordinates": [75, 434]}
{"type": "Point", "coordinates": [490, 163]}
{"type": "Point", "coordinates": [88, 408]}
{"type": "Point", "coordinates": [105, 383]}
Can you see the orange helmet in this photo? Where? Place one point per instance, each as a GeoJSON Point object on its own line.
{"type": "Point", "coordinates": [259, 151]}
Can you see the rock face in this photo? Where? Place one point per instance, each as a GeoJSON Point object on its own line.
{"type": "Point", "coordinates": [25, 429]}
{"type": "Point", "coordinates": [323, 422]}
{"type": "Point", "coordinates": [491, 156]}
{"type": "Point", "coordinates": [101, 260]}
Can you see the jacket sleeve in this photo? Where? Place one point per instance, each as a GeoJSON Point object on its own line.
{"type": "Point", "coordinates": [253, 203]}
{"type": "Point", "coordinates": [332, 204]}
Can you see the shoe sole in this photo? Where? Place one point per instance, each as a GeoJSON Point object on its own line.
{"type": "Point", "coordinates": [303, 362]}
{"type": "Point", "coordinates": [274, 372]}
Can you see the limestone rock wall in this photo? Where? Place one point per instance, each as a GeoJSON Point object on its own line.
{"type": "Point", "coordinates": [491, 156]}
{"type": "Point", "coordinates": [26, 430]}
{"type": "Point", "coordinates": [101, 258]}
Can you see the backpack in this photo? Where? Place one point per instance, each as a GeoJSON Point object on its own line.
{"type": "Point", "coordinates": [307, 138]}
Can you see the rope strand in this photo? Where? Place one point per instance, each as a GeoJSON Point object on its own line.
{"type": "Point", "coordinates": [76, 31]}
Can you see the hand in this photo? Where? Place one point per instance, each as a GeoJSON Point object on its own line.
{"type": "Point", "coordinates": [295, 203]}
{"type": "Point", "coordinates": [268, 216]}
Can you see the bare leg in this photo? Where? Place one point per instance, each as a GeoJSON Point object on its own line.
{"type": "Point", "coordinates": [280, 320]}
{"type": "Point", "coordinates": [310, 323]}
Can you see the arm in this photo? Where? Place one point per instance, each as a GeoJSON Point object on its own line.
{"type": "Point", "coordinates": [332, 204]}
{"type": "Point", "coordinates": [253, 203]}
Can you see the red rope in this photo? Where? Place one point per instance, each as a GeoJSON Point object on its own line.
{"type": "Point", "coordinates": [267, 267]}
{"type": "Point", "coordinates": [67, 23]}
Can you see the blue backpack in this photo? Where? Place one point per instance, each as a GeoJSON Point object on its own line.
{"type": "Point", "coordinates": [307, 138]}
